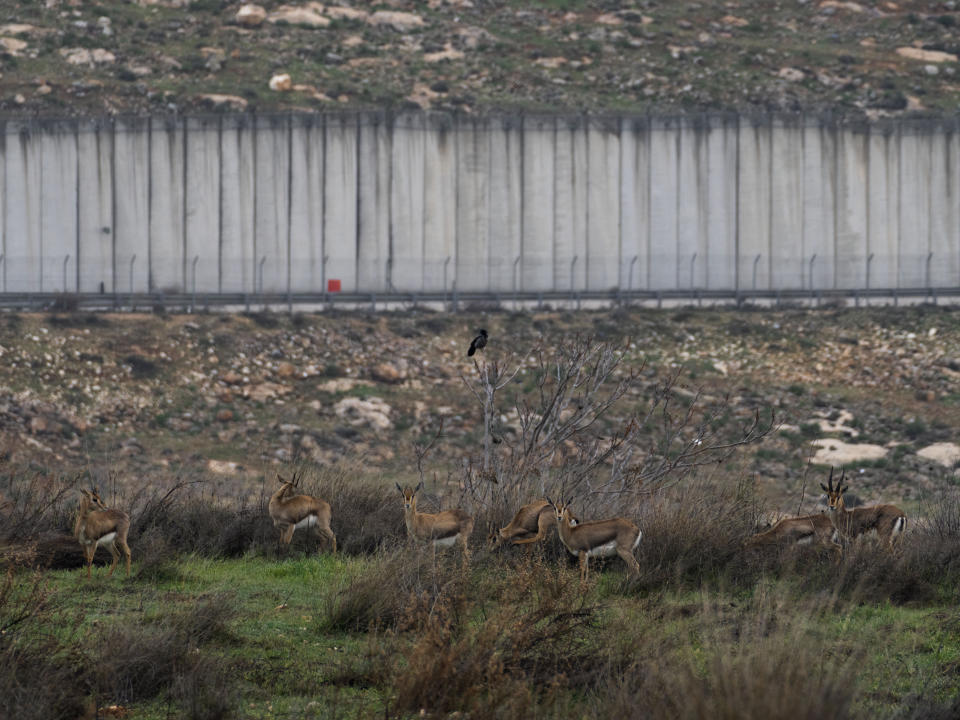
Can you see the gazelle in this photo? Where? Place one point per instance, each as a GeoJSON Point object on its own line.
{"type": "Point", "coordinates": [888, 520]}
{"type": "Point", "coordinates": [290, 512]}
{"type": "Point", "coordinates": [531, 523]}
{"type": "Point", "coordinates": [443, 528]}
{"type": "Point", "coordinates": [598, 538]}
{"type": "Point", "coordinates": [807, 530]}
{"type": "Point", "coordinates": [99, 525]}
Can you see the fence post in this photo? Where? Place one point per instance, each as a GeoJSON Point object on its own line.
{"type": "Point", "coordinates": [66, 260]}
{"type": "Point", "coordinates": [193, 281]}
{"type": "Point", "coordinates": [262, 261]}
{"type": "Point", "coordinates": [323, 278]}
{"type": "Point", "coordinates": [812, 258]}
{"type": "Point", "coordinates": [866, 299]}
{"type": "Point", "coordinates": [515, 264]}
{"type": "Point", "coordinates": [573, 264]}
{"type": "Point", "coordinates": [929, 286]}
{"type": "Point", "coordinates": [3, 274]}
{"type": "Point", "coordinates": [633, 262]}
{"type": "Point", "coordinates": [132, 261]}
{"type": "Point", "coordinates": [445, 263]}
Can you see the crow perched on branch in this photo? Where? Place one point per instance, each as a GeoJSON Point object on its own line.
{"type": "Point", "coordinates": [479, 343]}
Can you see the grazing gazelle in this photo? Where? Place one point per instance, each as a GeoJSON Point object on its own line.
{"type": "Point", "coordinates": [808, 530]}
{"type": "Point", "coordinates": [289, 512]}
{"type": "Point", "coordinates": [443, 528]}
{"type": "Point", "coordinates": [99, 525]}
{"type": "Point", "coordinates": [531, 523]}
{"type": "Point", "coordinates": [888, 520]}
{"type": "Point", "coordinates": [598, 538]}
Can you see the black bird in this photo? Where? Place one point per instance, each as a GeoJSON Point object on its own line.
{"type": "Point", "coordinates": [479, 343]}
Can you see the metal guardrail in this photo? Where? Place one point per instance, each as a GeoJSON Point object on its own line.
{"type": "Point", "coordinates": [454, 301]}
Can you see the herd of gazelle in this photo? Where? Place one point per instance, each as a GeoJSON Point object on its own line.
{"type": "Point", "coordinates": [99, 525]}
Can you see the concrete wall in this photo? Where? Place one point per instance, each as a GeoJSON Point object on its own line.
{"type": "Point", "coordinates": [418, 202]}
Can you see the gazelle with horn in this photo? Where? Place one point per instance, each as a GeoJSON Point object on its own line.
{"type": "Point", "coordinates": [290, 511]}
{"type": "Point", "coordinates": [600, 538]}
{"type": "Point", "coordinates": [888, 520]}
{"type": "Point", "coordinates": [532, 523]}
{"type": "Point", "coordinates": [99, 525]}
{"type": "Point", "coordinates": [816, 530]}
{"type": "Point", "coordinates": [442, 529]}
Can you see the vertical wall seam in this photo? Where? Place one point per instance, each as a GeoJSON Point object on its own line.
{"type": "Point", "coordinates": [220, 203]}
{"type": "Point", "coordinates": [113, 204]}
{"type": "Point", "coordinates": [289, 203]}
{"type": "Point", "coordinates": [76, 249]}
{"type": "Point", "coordinates": [736, 210]}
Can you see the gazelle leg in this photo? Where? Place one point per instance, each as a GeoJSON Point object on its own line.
{"type": "Point", "coordinates": [632, 565]}
{"type": "Point", "coordinates": [114, 558]}
{"type": "Point", "coordinates": [126, 554]}
{"type": "Point", "coordinates": [584, 567]}
{"type": "Point", "coordinates": [287, 536]}
{"type": "Point", "coordinates": [329, 537]}
{"type": "Point", "coordinates": [88, 552]}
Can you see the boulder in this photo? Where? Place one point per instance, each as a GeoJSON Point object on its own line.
{"type": "Point", "coordinates": [943, 453]}
{"type": "Point", "coordinates": [388, 373]}
{"type": "Point", "coordinates": [303, 16]}
{"type": "Point", "coordinates": [399, 21]}
{"type": "Point", "coordinates": [837, 452]}
{"type": "Point", "coordinates": [251, 15]}
{"type": "Point", "coordinates": [372, 412]}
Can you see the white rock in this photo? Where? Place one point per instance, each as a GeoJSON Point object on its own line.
{"type": "Point", "coordinates": [281, 83]}
{"type": "Point", "coordinates": [372, 412]}
{"type": "Point", "coordinates": [12, 45]}
{"type": "Point", "coordinates": [928, 56]}
{"type": "Point", "coordinates": [251, 15]}
{"type": "Point", "coordinates": [945, 453]}
{"type": "Point", "coordinates": [399, 21]}
{"type": "Point", "coordinates": [219, 100]}
{"type": "Point", "coordinates": [837, 452]}
{"type": "Point", "coordinates": [791, 74]}
{"type": "Point", "coordinates": [307, 17]}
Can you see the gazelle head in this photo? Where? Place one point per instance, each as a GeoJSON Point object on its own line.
{"type": "Point", "coordinates": [835, 494]}
{"type": "Point", "coordinates": [93, 496]}
{"type": "Point", "coordinates": [410, 495]}
{"type": "Point", "coordinates": [290, 484]}
{"type": "Point", "coordinates": [562, 508]}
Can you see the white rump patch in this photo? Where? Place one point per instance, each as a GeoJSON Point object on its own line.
{"type": "Point", "coordinates": [606, 550]}
{"type": "Point", "coordinates": [308, 521]}
{"type": "Point", "coordinates": [107, 539]}
{"type": "Point", "coordinates": [898, 526]}
{"type": "Point", "coordinates": [637, 541]}
{"type": "Point", "coordinates": [808, 540]}
{"type": "Point", "coordinates": [445, 542]}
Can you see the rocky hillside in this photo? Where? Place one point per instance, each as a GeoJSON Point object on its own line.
{"type": "Point", "coordinates": [864, 59]}
{"type": "Point", "coordinates": [237, 397]}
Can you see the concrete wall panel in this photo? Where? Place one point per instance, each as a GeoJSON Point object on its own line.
{"type": "Point", "coordinates": [721, 205]}
{"type": "Point", "coordinates": [202, 203]}
{"type": "Point", "coordinates": [306, 206]}
{"type": "Point", "coordinates": [340, 200]}
{"type": "Point", "coordinates": [380, 267]}
{"type": "Point", "coordinates": [439, 205]}
{"type": "Point", "coordinates": [634, 204]}
{"type": "Point", "coordinates": [664, 171]}
{"type": "Point", "coordinates": [819, 191]}
{"type": "Point", "coordinates": [505, 211]}
{"type": "Point", "coordinates": [23, 261]}
{"type": "Point", "coordinates": [238, 189]}
{"type": "Point", "coordinates": [95, 210]}
{"type": "Point", "coordinates": [851, 198]}
{"type": "Point", "coordinates": [753, 207]}
{"type": "Point", "coordinates": [883, 206]}
{"type": "Point", "coordinates": [131, 204]}
{"type": "Point", "coordinates": [786, 208]}
{"type": "Point", "coordinates": [407, 168]}
{"type": "Point", "coordinates": [943, 210]}
{"type": "Point", "coordinates": [538, 150]}
{"type": "Point", "coordinates": [473, 212]}
{"type": "Point", "coordinates": [692, 208]}
{"type": "Point", "coordinates": [272, 229]}
{"type": "Point", "coordinates": [58, 209]}
{"type": "Point", "coordinates": [916, 164]}
{"type": "Point", "coordinates": [570, 205]}
{"type": "Point", "coordinates": [167, 178]}
{"type": "Point", "coordinates": [603, 205]}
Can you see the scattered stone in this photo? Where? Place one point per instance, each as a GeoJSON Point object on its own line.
{"type": "Point", "coordinates": [234, 102]}
{"type": "Point", "coordinates": [44, 89]}
{"type": "Point", "coordinates": [399, 21]}
{"type": "Point", "coordinates": [931, 69]}
{"type": "Point", "coordinates": [232, 377]}
{"type": "Point", "coordinates": [372, 412]}
{"type": "Point", "coordinates": [225, 415]}
{"type": "Point", "coordinates": [345, 13]}
{"type": "Point", "coordinates": [251, 15]}
{"type": "Point", "coordinates": [281, 83]}
{"type": "Point", "coordinates": [338, 385]}
{"type": "Point", "coordinates": [927, 56]}
{"type": "Point", "coordinates": [734, 21]}
{"type": "Point", "coordinates": [551, 63]}
{"type": "Point", "coordinates": [792, 74]}
{"type": "Point", "coordinates": [286, 370]}
{"type": "Point", "coordinates": [12, 46]}
{"type": "Point", "coordinates": [265, 391]}
{"type": "Point", "coordinates": [944, 453]}
{"type": "Point", "coordinates": [837, 452]}
{"type": "Point", "coordinates": [840, 5]}
{"type": "Point", "coordinates": [303, 16]}
{"type": "Point", "coordinates": [609, 19]}
{"type": "Point", "coordinates": [388, 373]}
{"type": "Point", "coordinates": [448, 53]}
{"type": "Point", "coordinates": [223, 467]}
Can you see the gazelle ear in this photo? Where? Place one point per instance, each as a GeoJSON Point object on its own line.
{"type": "Point", "coordinates": [280, 478]}
{"type": "Point", "coordinates": [550, 501]}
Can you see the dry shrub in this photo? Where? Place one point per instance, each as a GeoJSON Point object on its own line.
{"type": "Point", "coordinates": [365, 514]}
{"type": "Point", "coordinates": [41, 676]}
{"type": "Point", "coordinates": [138, 662]}
{"type": "Point", "coordinates": [767, 662]}
{"type": "Point", "coordinates": [537, 640]}
{"type": "Point", "coordinates": [394, 588]}
{"type": "Point", "coordinates": [695, 531]}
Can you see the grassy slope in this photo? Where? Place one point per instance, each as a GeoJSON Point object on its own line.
{"type": "Point", "coordinates": [286, 665]}
{"type": "Point", "coordinates": [562, 55]}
